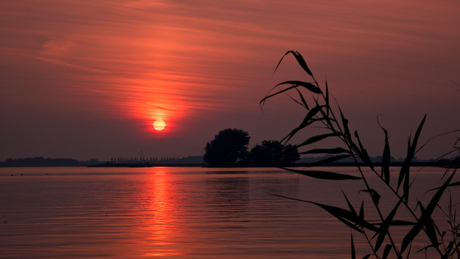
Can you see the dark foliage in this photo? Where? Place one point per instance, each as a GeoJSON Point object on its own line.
{"type": "Point", "coordinates": [319, 112]}
{"type": "Point", "coordinates": [273, 153]}
{"type": "Point", "coordinates": [228, 148]}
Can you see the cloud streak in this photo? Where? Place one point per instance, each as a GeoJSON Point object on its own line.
{"type": "Point", "coordinates": [140, 60]}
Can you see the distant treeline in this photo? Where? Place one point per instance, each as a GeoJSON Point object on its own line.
{"type": "Point", "coordinates": [40, 161]}
{"type": "Point", "coordinates": [156, 160]}
{"type": "Point", "coordinates": [50, 162]}
{"type": "Point", "coordinates": [190, 160]}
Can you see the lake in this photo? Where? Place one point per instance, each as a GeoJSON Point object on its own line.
{"type": "Point", "coordinates": [180, 212]}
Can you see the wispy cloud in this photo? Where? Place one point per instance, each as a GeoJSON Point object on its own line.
{"type": "Point", "coordinates": [143, 59]}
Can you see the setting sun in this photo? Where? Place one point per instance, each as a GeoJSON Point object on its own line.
{"type": "Point", "coordinates": [159, 124]}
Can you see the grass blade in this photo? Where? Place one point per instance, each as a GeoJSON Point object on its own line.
{"type": "Point", "coordinates": [318, 138]}
{"type": "Point", "coordinates": [386, 252]}
{"type": "Point", "coordinates": [364, 155]}
{"type": "Point", "coordinates": [306, 121]}
{"type": "Point", "coordinates": [450, 185]}
{"type": "Point", "coordinates": [417, 135]}
{"type": "Point", "coordinates": [374, 194]}
{"type": "Point", "coordinates": [430, 228]}
{"type": "Point", "coordinates": [405, 169]}
{"type": "Point", "coordinates": [361, 211]}
{"type": "Point", "coordinates": [277, 93]}
{"type": "Point", "coordinates": [425, 216]}
{"type": "Point", "coordinates": [350, 206]}
{"type": "Point", "coordinates": [309, 86]}
{"type": "Point", "coordinates": [327, 99]}
{"type": "Point", "coordinates": [383, 231]}
{"type": "Point", "coordinates": [401, 223]}
{"type": "Point", "coordinates": [323, 174]}
{"type": "Point", "coordinates": [303, 99]}
{"type": "Point", "coordinates": [343, 215]}
{"type": "Point", "coordinates": [406, 187]}
{"type": "Point", "coordinates": [386, 158]}
{"type": "Point", "coordinates": [353, 252]}
{"type": "Point", "coordinates": [299, 59]}
{"type": "Point", "coordinates": [338, 150]}
{"type": "Point", "coordinates": [327, 119]}
{"type": "Point", "coordinates": [345, 126]}
{"type": "Point", "coordinates": [329, 160]}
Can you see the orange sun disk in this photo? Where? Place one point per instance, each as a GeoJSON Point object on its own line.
{"type": "Point", "coordinates": [159, 125]}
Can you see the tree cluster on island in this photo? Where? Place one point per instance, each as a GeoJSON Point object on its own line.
{"type": "Point", "coordinates": [230, 148]}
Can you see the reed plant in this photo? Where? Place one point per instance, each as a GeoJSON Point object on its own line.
{"type": "Point", "coordinates": [383, 232]}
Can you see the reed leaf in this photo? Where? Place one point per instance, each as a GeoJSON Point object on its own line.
{"type": "Point", "coordinates": [386, 159]}
{"type": "Point", "coordinates": [329, 160]}
{"type": "Point", "coordinates": [408, 252]}
{"type": "Point", "coordinates": [309, 86]}
{"type": "Point", "coordinates": [454, 184]}
{"type": "Point", "coordinates": [361, 210]}
{"type": "Point", "coordinates": [405, 169]}
{"type": "Point", "coordinates": [426, 215]}
{"type": "Point", "coordinates": [406, 166]}
{"type": "Point", "coordinates": [299, 103]}
{"type": "Point", "coordinates": [299, 59]}
{"type": "Point", "coordinates": [318, 138]}
{"type": "Point", "coordinates": [337, 150]}
{"type": "Point", "coordinates": [326, 98]}
{"type": "Point", "coordinates": [303, 99]}
{"type": "Point", "coordinates": [324, 114]}
{"type": "Point", "coordinates": [430, 228]}
{"type": "Point", "coordinates": [277, 93]}
{"type": "Point", "coordinates": [364, 156]}
{"type": "Point", "coordinates": [306, 121]}
{"type": "Point", "coordinates": [447, 253]}
{"type": "Point", "coordinates": [406, 187]}
{"type": "Point", "coordinates": [296, 83]}
{"type": "Point", "coordinates": [417, 135]}
{"type": "Point", "coordinates": [350, 206]}
{"type": "Point", "coordinates": [400, 223]}
{"type": "Point", "coordinates": [374, 194]}
{"type": "Point", "coordinates": [328, 120]}
{"type": "Point", "coordinates": [323, 174]}
{"type": "Point", "coordinates": [450, 185]}
{"type": "Point", "coordinates": [343, 215]}
{"type": "Point", "coordinates": [353, 251]}
{"type": "Point", "coordinates": [383, 230]}
{"type": "Point", "coordinates": [347, 135]}
{"type": "Point", "coordinates": [345, 126]}
{"type": "Point", "coordinates": [386, 252]}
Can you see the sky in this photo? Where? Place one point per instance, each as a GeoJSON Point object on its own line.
{"type": "Point", "coordinates": [87, 79]}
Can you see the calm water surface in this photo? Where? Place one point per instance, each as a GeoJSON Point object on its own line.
{"type": "Point", "coordinates": [173, 213]}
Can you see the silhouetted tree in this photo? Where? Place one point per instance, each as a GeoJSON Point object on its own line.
{"type": "Point", "coordinates": [272, 153]}
{"type": "Point", "coordinates": [228, 148]}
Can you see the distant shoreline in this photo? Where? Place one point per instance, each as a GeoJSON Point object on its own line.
{"type": "Point", "coordinates": [42, 162]}
{"type": "Point", "coordinates": [347, 164]}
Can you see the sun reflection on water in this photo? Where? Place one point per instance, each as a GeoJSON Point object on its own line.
{"type": "Point", "coordinates": [160, 223]}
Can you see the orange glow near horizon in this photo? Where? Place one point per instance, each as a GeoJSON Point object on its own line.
{"type": "Point", "coordinates": [149, 100]}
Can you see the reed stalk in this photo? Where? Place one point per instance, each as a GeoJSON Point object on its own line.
{"type": "Point", "coordinates": [320, 112]}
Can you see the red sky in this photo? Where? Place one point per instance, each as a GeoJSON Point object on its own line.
{"type": "Point", "coordinates": [86, 79]}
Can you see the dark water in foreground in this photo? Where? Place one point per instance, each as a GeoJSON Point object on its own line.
{"type": "Point", "coordinates": [174, 213]}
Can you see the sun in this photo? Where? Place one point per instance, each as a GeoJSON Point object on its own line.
{"type": "Point", "coordinates": [159, 124]}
